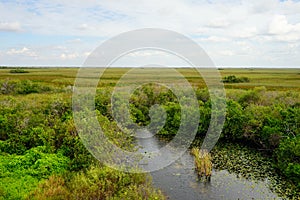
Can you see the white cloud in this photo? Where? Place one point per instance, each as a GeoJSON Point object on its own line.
{"type": "Point", "coordinates": [74, 55]}
{"type": "Point", "coordinates": [218, 23]}
{"type": "Point", "coordinates": [146, 53]}
{"type": "Point", "coordinates": [280, 25]}
{"type": "Point", "coordinates": [23, 52]}
{"type": "Point", "coordinates": [214, 39]}
{"type": "Point", "coordinates": [247, 32]}
{"type": "Point", "coordinates": [69, 56]}
{"type": "Point", "coordinates": [86, 54]}
{"type": "Point", "coordinates": [83, 27]}
{"type": "Point", "coordinates": [10, 26]}
{"type": "Point", "coordinates": [293, 45]}
{"type": "Point", "coordinates": [77, 40]}
{"type": "Point", "coordinates": [59, 47]}
{"type": "Point", "coordinates": [226, 53]}
{"type": "Point", "coordinates": [214, 25]}
{"type": "Point", "coordinates": [283, 30]}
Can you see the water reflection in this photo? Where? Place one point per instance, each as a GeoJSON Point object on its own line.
{"type": "Point", "coordinates": [180, 181]}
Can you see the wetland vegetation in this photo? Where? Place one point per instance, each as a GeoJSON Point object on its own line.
{"type": "Point", "coordinates": [42, 156]}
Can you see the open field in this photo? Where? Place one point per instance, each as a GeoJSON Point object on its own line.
{"type": "Point", "coordinates": [272, 79]}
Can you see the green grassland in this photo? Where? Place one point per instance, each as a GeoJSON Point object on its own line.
{"type": "Point", "coordinates": [274, 79]}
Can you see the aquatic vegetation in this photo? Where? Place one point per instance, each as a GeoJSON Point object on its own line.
{"type": "Point", "coordinates": [35, 111]}
{"type": "Point", "coordinates": [251, 164]}
{"type": "Point", "coordinates": [203, 162]}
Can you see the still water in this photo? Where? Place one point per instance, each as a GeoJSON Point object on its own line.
{"type": "Point", "coordinates": [179, 180]}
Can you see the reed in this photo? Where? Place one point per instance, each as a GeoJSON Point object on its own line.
{"type": "Point", "coordinates": [203, 162]}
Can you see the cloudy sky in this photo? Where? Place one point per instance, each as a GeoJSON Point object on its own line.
{"type": "Point", "coordinates": [232, 32]}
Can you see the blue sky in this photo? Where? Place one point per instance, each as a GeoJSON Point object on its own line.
{"type": "Point", "coordinates": [233, 33]}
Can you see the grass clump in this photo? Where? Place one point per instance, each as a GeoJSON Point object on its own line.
{"type": "Point", "coordinates": [203, 162]}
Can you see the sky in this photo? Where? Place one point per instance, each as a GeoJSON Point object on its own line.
{"type": "Point", "coordinates": [232, 32]}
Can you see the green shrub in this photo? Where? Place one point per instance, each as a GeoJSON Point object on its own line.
{"type": "Point", "coordinates": [20, 174]}
{"type": "Point", "coordinates": [233, 126]}
{"type": "Point", "coordinates": [18, 70]}
{"type": "Point", "coordinates": [288, 158]}
{"type": "Point", "coordinates": [23, 87]}
{"type": "Point", "coordinates": [234, 79]}
{"type": "Point", "coordinates": [98, 183]}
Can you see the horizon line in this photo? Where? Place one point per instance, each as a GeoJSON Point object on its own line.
{"type": "Point", "coordinates": [219, 67]}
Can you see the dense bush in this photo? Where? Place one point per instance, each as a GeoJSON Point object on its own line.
{"type": "Point", "coordinates": [288, 158]}
{"type": "Point", "coordinates": [38, 140]}
{"type": "Point", "coordinates": [97, 183]}
{"type": "Point", "coordinates": [24, 126]}
{"type": "Point", "coordinates": [20, 174]}
{"type": "Point", "coordinates": [23, 87]}
{"type": "Point", "coordinates": [38, 129]}
{"type": "Point", "coordinates": [19, 70]}
{"type": "Point", "coordinates": [234, 79]}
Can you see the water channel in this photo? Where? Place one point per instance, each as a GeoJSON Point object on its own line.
{"type": "Point", "coordinates": [179, 180]}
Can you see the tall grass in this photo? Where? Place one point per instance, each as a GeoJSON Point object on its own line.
{"type": "Point", "coordinates": [203, 162]}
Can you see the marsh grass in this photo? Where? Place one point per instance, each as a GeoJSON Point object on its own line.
{"type": "Point", "coordinates": [203, 162]}
{"type": "Point", "coordinates": [274, 79]}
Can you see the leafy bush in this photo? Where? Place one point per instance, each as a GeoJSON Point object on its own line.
{"type": "Point", "coordinates": [234, 79]}
{"type": "Point", "coordinates": [233, 126]}
{"type": "Point", "coordinates": [19, 174]}
{"type": "Point", "coordinates": [23, 87]}
{"type": "Point", "coordinates": [28, 122]}
{"type": "Point", "coordinates": [288, 158]}
{"type": "Point", "coordinates": [19, 70]}
{"type": "Point", "coordinates": [98, 183]}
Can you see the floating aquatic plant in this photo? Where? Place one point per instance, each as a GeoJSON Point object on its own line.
{"type": "Point", "coordinates": [251, 164]}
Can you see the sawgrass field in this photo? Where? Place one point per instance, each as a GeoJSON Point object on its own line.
{"type": "Point", "coordinates": [271, 78]}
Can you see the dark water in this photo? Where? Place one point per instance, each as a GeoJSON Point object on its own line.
{"type": "Point", "coordinates": [179, 180]}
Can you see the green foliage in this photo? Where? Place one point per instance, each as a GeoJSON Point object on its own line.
{"type": "Point", "coordinates": [202, 94]}
{"type": "Point", "coordinates": [23, 87]}
{"type": "Point", "coordinates": [146, 96]}
{"type": "Point", "coordinates": [103, 101]}
{"type": "Point", "coordinates": [288, 158]}
{"type": "Point", "coordinates": [205, 116]}
{"type": "Point", "coordinates": [18, 71]}
{"type": "Point", "coordinates": [252, 96]}
{"type": "Point", "coordinates": [19, 174]}
{"type": "Point", "coordinates": [38, 137]}
{"type": "Point", "coordinates": [47, 124]}
{"type": "Point", "coordinates": [97, 183]}
{"type": "Point", "coordinates": [234, 79]}
{"type": "Point", "coordinates": [233, 126]}
{"type": "Point", "coordinates": [173, 120]}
